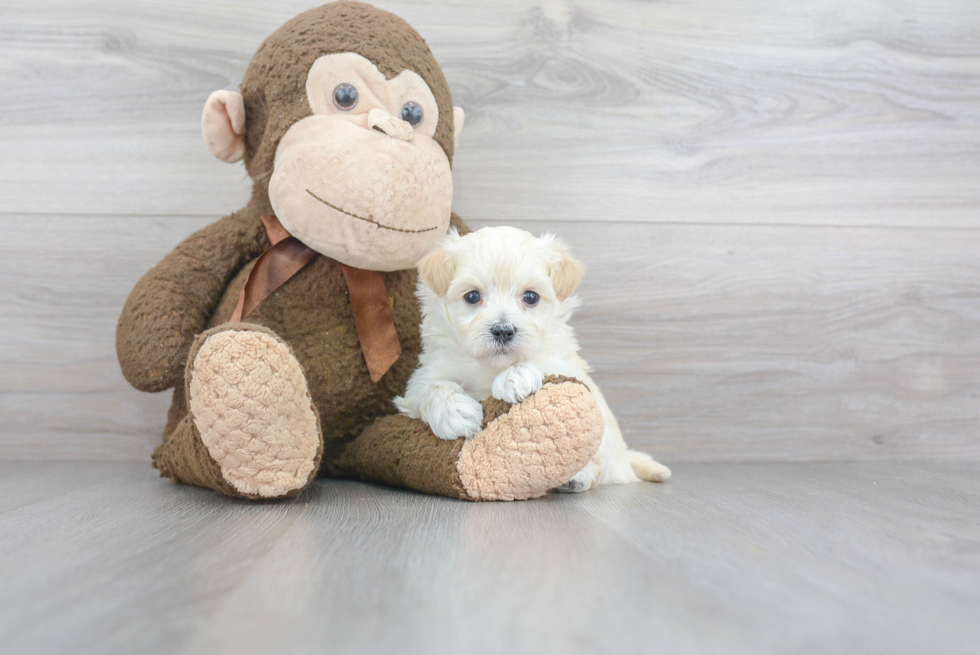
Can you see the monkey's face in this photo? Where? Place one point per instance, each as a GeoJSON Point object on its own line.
{"type": "Point", "coordinates": [361, 180]}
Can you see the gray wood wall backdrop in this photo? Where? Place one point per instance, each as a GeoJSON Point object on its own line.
{"type": "Point", "coordinates": [778, 202]}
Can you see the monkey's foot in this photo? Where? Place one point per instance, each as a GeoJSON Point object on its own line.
{"type": "Point", "coordinates": [536, 445]}
{"type": "Point", "coordinates": [251, 405]}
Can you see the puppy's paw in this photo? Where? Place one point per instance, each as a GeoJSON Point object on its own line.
{"type": "Point", "coordinates": [453, 414]}
{"type": "Point", "coordinates": [646, 468]}
{"type": "Point", "coordinates": [581, 481]}
{"type": "Point", "coordinates": [516, 383]}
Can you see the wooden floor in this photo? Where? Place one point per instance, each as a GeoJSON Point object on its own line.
{"type": "Point", "coordinates": [819, 558]}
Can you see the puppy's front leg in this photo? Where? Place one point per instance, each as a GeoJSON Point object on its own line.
{"type": "Point", "coordinates": [583, 480]}
{"type": "Point", "coordinates": [450, 412]}
{"type": "Point", "coordinates": [516, 383]}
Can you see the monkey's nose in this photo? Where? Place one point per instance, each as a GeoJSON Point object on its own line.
{"type": "Point", "coordinates": [503, 332]}
{"type": "Point", "coordinates": [385, 123]}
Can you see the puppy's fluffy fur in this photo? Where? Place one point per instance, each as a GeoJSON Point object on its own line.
{"type": "Point", "coordinates": [495, 311]}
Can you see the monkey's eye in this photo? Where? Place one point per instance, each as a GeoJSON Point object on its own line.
{"type": "Point", "coordinates": [411, 113]}
{"type": "Point", "coordinates": [345, 96]}
{"type": "Point", "coordinates": [531, 298]}
{"type": "Point", "coordinates": [473, 297]}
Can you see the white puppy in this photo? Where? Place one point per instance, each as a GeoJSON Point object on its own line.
{"type": "Point", "coordinates": [495, 311]}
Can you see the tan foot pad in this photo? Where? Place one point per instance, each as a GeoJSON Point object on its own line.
{"type": "Point", "coordinates": [250, 403]}
{"type": "Point", "coordinates": [536, 446]}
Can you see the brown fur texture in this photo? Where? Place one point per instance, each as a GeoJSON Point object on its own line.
{"type": "Point", "coordinates": [182, 456]}
{"type": "Point", "coordinates": [190, 295]}
{"type": "Point", "coordinates": [400, 451]}
{"type": "Point", "coordinates": [173, 302]}
{"type": "Point", "coordinates": [274, 86]}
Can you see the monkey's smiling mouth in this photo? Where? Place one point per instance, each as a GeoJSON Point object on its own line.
{"type": "Point", "coordinates": [369, 220]}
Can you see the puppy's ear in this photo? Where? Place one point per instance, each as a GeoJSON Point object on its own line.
{"type": "Point", "coordinates": [565, 271]}
{"type": "Point", "coordinates": [436, 270]}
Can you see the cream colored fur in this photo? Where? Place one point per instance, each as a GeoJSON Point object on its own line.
{"type": "Point", "coordinates": [534, 447]}
{"type": "Point", "coordinates": [359, 185]}
{"type": "Point", "coordinates": [223, 125]}
{"type": "Point", "coordinates": [463, 362]}
{"type": "Point", "coordinates": [251, 404]}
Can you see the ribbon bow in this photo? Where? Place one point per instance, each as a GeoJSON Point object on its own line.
{"type": "Point", "coordinates": [368, 297]}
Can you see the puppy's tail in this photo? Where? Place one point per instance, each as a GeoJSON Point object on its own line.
{"type": "Point", "coordinates": [646, 468]}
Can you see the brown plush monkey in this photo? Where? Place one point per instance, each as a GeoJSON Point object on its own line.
{"type": "Point", "coordinates": [287, 327]}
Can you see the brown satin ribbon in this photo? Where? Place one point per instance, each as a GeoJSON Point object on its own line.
{"type": "Point", "coordinates": [281, 261]}
{"type": "Point", "coordinates": [368, 296]}
{"type": "Point", "coordinates": [372, 317]}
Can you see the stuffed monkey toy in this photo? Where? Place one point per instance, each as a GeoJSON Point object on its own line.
{"type": "Point", "coordinates": [287, 327]}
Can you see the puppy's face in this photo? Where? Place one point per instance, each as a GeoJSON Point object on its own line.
{"type": "Point", "coordinates": [502, 289]}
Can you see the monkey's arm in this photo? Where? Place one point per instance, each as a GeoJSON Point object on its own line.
{"type": "Point", "coordinates": [172, 303]}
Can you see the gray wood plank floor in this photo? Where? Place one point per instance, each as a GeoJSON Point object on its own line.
{"type": "Point", "coordinates": [735, 558]}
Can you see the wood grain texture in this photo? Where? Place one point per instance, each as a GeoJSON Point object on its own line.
{"type": "Point", "coordinates": [710, 342]}
{"type": "Point", "coordinates": [777, 203]}
{"type": "Point", "coordinates": [825, 112]}
{"type": "Point", "coordinates": [734, 558]}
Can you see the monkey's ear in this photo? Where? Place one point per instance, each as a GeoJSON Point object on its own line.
{"type": "Point", "coordinates": [223, 125]}
{"type": "Point", "coordinates": [566, 272]}
{"type": "Point", "coordinates": [459, 117]}
{"type": "Point", "coordinates": [436, 270]}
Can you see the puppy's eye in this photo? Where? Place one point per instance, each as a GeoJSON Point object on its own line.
{"type": "Point", "coordinates": [473, 297]}
{"type": "Point", "coordinates": [531, 298]}
{"type": "Point", "coordinates": [345, 96]}
{"type": "Point", "coordinates": [411, 113]}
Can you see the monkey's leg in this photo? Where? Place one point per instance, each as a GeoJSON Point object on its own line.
{"type": "Point", "coordinates": [252, 430]}
{"type": "Point", "coordinates": [523, 450]}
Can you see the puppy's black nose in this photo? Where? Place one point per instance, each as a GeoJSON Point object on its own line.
{"type": "Point", "coordinates": [503, 332]}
